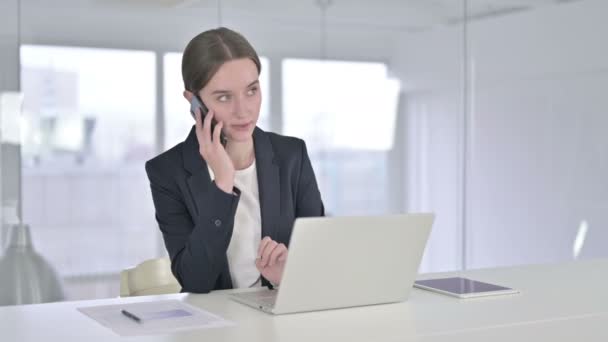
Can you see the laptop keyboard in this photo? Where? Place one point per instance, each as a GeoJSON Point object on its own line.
{"type": "Point", "coordinates": [266, 298]}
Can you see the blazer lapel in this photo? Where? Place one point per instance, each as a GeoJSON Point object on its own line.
{"type": "Point", "coordinates": [268, 178]}
{"type": "Point", "coordinates": [199, 179]}
{"type": "Point", "coordinates": [268, 183]}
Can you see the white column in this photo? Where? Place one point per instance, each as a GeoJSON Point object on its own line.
{"type": "Point", "coordinates": [10, 163]}
{"type": "Point", "coordinates": [276, 94]}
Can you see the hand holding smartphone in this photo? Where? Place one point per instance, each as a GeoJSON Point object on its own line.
{"type": "Point", "coordinates": [215, 156]}
{"type": "Point", "coordinates": [195, 103]}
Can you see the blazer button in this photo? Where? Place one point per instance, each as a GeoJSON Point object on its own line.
{"type": "Point", "coordinates": [217, 222]}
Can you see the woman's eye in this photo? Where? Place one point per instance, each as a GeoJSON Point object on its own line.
{"type": "Point", "coordinates": [252, 91]}
{"type": "Point", "coordinates": [223, 98]}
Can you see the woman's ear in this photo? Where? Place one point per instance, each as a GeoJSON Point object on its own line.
{"type": "Point", "coordinates": [188, 95]}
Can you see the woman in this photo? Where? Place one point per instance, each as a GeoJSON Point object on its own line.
{"type": "Point", "coordinates": [226, 212]}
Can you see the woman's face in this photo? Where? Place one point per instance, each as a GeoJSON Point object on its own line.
{"type": "Point", "coordinates": [233, 93]}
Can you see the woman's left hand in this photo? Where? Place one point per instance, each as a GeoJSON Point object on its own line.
{"type": "Point", "coordinates": [271, 260]}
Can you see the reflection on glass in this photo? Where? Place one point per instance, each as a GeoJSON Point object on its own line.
{"type": "Point", "coordinates": [89, 117]}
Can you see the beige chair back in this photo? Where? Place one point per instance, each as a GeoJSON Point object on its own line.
{"type": "Point", "coordinates": [151, 277]}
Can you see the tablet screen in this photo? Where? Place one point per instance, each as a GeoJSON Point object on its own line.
{"type": "Point", "coordinates": [460, 285]}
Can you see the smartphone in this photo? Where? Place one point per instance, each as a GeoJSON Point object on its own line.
{"type": "Point", "coordinates": [196, 102]}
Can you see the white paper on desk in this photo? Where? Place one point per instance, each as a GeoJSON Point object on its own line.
{"type": "Point", "coordinates": [160, 317]}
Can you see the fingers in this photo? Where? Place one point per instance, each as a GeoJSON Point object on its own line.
{"type": "Point", "coordinates": [263, 244]}
{"type": "Point", "coordinates": [203, 128]}
{"type": "Point", "coordinates": [270, 252]}
{"type": "Point", "coordinates": [265, 256]}
{"type": "Point", "coordinates": [277, 255]}
{"type": "Point", "coordinates": [207, 127]}
{"type": "Point", "coordinates": [217, 132]}
{"type": "Point", "coordinates": [198, 121]}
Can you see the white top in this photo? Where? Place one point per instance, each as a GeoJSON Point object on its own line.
{"type": "Point", "coordinates": [247, 231]}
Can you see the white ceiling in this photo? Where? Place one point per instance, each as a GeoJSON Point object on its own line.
{"type": "Point", "coordinates": [405, 15]}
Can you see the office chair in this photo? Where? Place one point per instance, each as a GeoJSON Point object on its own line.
{"type": "Point", "coordinates": [151, 277]}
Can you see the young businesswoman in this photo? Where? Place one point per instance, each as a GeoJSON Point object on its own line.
{"type": "Point", "coordinates": [226, 210]}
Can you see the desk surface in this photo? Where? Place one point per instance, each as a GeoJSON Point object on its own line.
{"type": "Point", "coordinates": [560, 302]}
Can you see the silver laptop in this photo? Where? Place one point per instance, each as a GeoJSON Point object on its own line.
{"type": "Point", "coordinates": [339, 262]}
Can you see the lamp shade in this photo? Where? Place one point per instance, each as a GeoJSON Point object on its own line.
{"type": "Point", "coordinates": [25, 276]}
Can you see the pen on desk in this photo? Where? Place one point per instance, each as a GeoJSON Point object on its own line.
{"type": "Point", "coordinates": [131, 316]}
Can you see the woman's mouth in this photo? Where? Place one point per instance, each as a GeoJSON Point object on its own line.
{"type": "Point", "coordinates": [242, 127]}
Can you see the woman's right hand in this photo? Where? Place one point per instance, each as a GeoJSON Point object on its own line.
{"type": "Point", "coordinates": [214, 152]}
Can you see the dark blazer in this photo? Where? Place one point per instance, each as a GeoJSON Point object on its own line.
{"type": "Point", "coordinates": [196, 218]}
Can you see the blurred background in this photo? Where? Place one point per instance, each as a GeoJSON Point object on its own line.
{"type": "Point", "coordinates": [491, 113]}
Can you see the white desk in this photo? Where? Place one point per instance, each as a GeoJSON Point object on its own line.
{"type": "Point", "coordinates": [563, 302]}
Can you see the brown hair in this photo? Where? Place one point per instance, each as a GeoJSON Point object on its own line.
{"type": "Point", "coordinates": [206, 52]}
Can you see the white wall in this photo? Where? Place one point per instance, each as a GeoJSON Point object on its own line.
{"type": "Point", "coordinates": [540, 155]}
{"type": "Point", "coordinates": [537, 124]}
{"type": "Point", "coordinates": [429, 65]}
{"type": "Point", "coordinates": [434, 179]}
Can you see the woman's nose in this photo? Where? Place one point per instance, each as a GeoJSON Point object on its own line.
{"type": "Point", "coordinates": [238, 109]}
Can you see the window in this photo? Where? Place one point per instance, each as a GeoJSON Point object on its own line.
{"type": "Point", "coordinates": [89, 127]}
{"type": "Point", "coordinates": [346, 112]}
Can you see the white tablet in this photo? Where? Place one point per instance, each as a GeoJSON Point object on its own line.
{"type": "Point", "coordinates": [463, 287]}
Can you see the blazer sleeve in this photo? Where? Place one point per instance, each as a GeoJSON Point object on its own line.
{"type": "Point", "coordinates": [308, 200]}
{"type": "Point", "coordinates": [197, 251]}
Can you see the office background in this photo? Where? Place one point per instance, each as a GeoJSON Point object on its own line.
{"type": "Point", "coordinates": [492, 114]}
